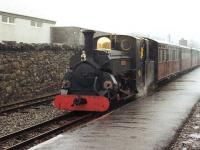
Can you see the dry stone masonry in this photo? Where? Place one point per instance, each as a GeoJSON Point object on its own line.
{"type": "Point", "coordinates": [26, 74]}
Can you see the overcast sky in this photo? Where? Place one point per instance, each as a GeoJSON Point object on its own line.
{"type": "Point", "coordinates": [179, 18]}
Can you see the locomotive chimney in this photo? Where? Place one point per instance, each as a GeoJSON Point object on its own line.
{"type": "Point", "coordinates": [88, 35]}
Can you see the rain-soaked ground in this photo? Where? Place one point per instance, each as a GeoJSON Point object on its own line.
{"type": "Point", "coordinates": [189, 136]}
{"type": "Point", "coordinates": [144, 124]}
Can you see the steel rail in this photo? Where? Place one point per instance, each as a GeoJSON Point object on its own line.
{"type": "Point", "coordinates": [66, 126]}
{"type": "Point", "coordinates": [67, 121]}
{"type": "Point", "coordinates": [27, 103]}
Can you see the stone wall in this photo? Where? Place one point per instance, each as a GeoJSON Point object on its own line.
{"type": "Point", "coordinates": [28, 74]}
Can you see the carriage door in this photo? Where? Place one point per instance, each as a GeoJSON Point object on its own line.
{"type": "Point", "coordinates": [142, 58]}
{"type": "Point", "coordinates": [146, 64]}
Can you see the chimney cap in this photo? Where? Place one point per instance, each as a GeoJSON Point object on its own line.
{"type": "Point", "coordinates": [87, 31]}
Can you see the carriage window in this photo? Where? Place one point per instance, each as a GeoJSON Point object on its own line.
{"type": "Point", "coordinates": [182, 55]}
{"type": "Point", "coordinates": [164, 55]}
{"type": "Point", "coordinates": [160, 56]}
{"type": "Point", "coordinates": [173, 55]}
{"type": "Point", "coordinates": [185, 54]}
{"type": "Point", "coordinates": [177, 54]}
{"type": "Point", "coordinates": [104, 43]}
{"type": "Point", "coordinates": [170, 55]}
{"type": "Point", "coordinates": [167, 54]}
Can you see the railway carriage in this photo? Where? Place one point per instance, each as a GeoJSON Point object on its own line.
{"type": "Point", "coordinates": [168, 60]}
{"type": "Point", "coordinates": [171, 60]}
{"type": "Point", "coordinates": [185, 58]}
{"type": "Point", "coordinates": [194, 58]}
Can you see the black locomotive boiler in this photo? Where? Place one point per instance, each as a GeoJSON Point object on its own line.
{"type": "Point", "coordinates": [111, 68]}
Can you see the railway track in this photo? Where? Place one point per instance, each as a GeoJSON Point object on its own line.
{"type": "Point", "coordinates": [27, 103]}
{"type": "Point", "coordinates": [35, 134]}
{"type": "Point", "coordinates": [22, 138]}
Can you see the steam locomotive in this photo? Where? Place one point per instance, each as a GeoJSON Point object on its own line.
{"type": "Point", "coordinates": [113, 68]}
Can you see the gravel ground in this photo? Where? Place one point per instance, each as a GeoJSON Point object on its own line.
{"type": "Point", "coordinates": [25, 118]}
{"type": "Point", "coordinates": [189, 136]}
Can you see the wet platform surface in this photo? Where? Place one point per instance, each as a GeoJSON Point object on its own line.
{"type": "Point", "coordinates": [144, 124]}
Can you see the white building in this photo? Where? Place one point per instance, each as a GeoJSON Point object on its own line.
{"type": "Point", "coordinates": [20, 28]}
